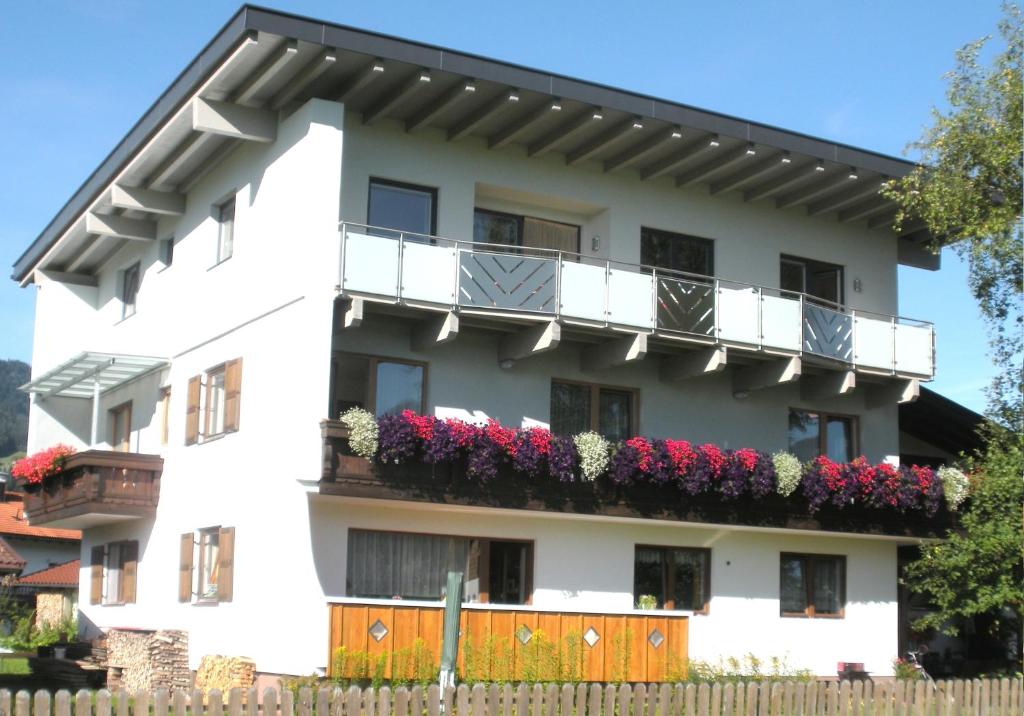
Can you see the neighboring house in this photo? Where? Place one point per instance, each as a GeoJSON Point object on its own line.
{"type": "Point", "coordinates": [37, 546]}
{"type": "Point", "coordinates": [935, 430]}
{"type": "Point", "coordinates": [55, 591]}
{"type": "Point", "coordinates": [660, 270]}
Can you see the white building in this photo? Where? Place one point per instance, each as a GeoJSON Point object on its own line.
{"type": "Point", "coordinates": [212, 293]}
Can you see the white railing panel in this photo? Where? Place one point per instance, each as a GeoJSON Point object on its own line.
{"type": "Point", "coordinates": [582, 291]}
{"type": "Point", "coordinates": [873, 342]}
{"type": "Point", "coordinates": [371, 264]}
{"type": "Point", "coordinates": [780, 322]}
{"type": "Point", "coordinates": [914, 349]}
{"type": "Point", "coordinates": [630, 298]}
{"type": "Point", "coordinates": [428, 273]}
{"type": "Point", "coordinates": [737, 314]}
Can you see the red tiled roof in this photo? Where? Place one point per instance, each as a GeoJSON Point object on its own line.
{"type": "Point", "coordinates": [9, 558]}
{"type": "Point", "coordinates": [59, 575]}
{"type": "Point", "coordinates": [13, 522]}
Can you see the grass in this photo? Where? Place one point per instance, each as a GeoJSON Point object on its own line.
{"type": "Point", "coordinates": [15, 665]}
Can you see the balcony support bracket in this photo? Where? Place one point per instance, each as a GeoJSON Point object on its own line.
{"type": "Point", "coordinates": [693, 365]}
{"type": "Point", "coordinates": [436, 331]}
{"type": "Point", "coordinates": [352, 314]}
{"type": "Point", "coordinates": [629, 349]}
{"type": "Point", "coordinates": [897, 392]}
{"type": "Point", "coordinates": [829, 385]}
{"type": "Point", "coordinates": [529, 341]}
{"type": "Point", "coordinates": [765, 375]}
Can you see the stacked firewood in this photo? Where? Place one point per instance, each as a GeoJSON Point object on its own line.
{"type": "Point", "coordinates": [146, 660]}
{"type": "Point", "coordinates": [225, 673]}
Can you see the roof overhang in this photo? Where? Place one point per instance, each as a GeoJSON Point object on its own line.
{"type": "Point", "coordinates": [80, 376]}
{"type": "Point", "coordinates": [263, 62]}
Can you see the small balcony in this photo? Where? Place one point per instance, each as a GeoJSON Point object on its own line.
{"type": "Point", "coordinates": [97, 487]}
{"type": "Point", "coordinates": [432, 272]}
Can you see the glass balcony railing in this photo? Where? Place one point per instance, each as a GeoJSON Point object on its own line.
{"type": "Point", "coordinates": [417, 269]}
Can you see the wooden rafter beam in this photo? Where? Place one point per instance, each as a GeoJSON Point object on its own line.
{"type": "Point", "coordinates": [774, 185]}
{"type": "Point", "coordinates": [748, 174]}
{"type": "Point", "coordinates": [683, 154]}
{"type": "Point", "coordinates": [455, 94]}
{"type": "Point", "coordinates": [861, 190]}
{"type": "Point", "coordinates": [633, 154]}
{"type": "Point", "coordinates": [409, 87]}
{"type": "Point", "coordinates": [587, 118]}
{"type": "Point", "coordinates": [518, 125]}
{"type": "Point", "coordinates": [611, 136]}
{"type": "Point", "coordinates": [478, 116]}
{"type": "Point", "coordinates": [233, 120]}
{"type": "Point", "coordinates": [120, 227]}
{"type": "Point", "coordinates": [147, 200]}
{"type": "Point", "coordinates": [309, 74]}
{"type": "Point", "coordinates": [828, 183]}
{"type": "Point", "coordinates": [715, 163]}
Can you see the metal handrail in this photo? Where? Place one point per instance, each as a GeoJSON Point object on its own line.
{"type": "Point", "coordinates": [559, 256]}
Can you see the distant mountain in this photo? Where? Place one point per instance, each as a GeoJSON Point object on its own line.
{"type": "Point", "coordinates": [13, 406]}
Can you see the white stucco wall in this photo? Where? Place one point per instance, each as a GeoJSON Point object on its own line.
{"type": "Point", "coordinates": [271, 304]}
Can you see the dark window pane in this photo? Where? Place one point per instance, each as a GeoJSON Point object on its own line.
{"type": "Point", "coordinates": [678, 252]}
{"type": "Point", "coordinates": [792, 276]}
{"type": "Point", "coordinates": [541, 234]}
{"type": "Point", "coordinates": [689, 588]}
{"type": "Point", "coordinates": [508, 573]}
{"type": "Point", "coordinates": [570, 408]}
{"type": "Point", "coordinates": [399, 387]}
{"type": "Point", "coordinates": [491, 228]}
{"type": "Point", "coordinates": [839, 438]}
{"type": "Point", "coordinates": [649, 574]}
{"type": "Point", "coordinates": [402, 208]}
{"type": "Point", "coordinates": [129, 291]}
{"type": "Point", "coordinates": [817, 279]}
{"type": "Point", "coordinates": [351, 378]}
{"type": "Point", "coordinates": [804, 429]}
{"type": "Point", "coordinates": [385, 565]}
{"type": "Point", "coordinates": [824, 283]}
{"type": "Point", "coordinates": [828, 587]}
{"type": "Point", "coordinates": [793, 591]}
{"type": "Point", "coordinates": [615, 417]}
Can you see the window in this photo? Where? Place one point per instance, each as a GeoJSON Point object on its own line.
{"type": "Point", "coordinates": [814, 433]}
{"type": "Point", "coordinates": [812, 585]}
{"type": "Point", "coordinates": [381, 385]}
{"type": "Point", "coordinates": [207, 569]}
{"type": "Point", "coordinates": [677, 577]}
{"type": "Point", "coordinates": [400, 565]}
{"type": "Point", "coordinates": [129, 290]}
{"type": "Point", "coordinates": [225, 215]}
{"type": "Point", "coordinates": [114, 573]}
{"type": "Point", "coordinates": [579, 407]}
{"type": "Point", "coordinates": [815, 278]}
{"type": "Point", "coordinates": [493, 227]}
{"type": "Point", "coordinates": [678, 252]}
{"type": "Point", "coordinates": [121, 427]}
{"type": "Point", "coordinates": [402, 207]}
{"type": "Point", "coordinates": [165, 413]}
{"type": "Point", "coordinates": [216, 396]}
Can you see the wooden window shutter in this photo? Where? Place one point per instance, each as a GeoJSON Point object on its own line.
{"type": "Point", "coordinates": [185, 571]}
{"type": "Point", "coordinates": [232, 394]}
{"type": "Point", "coordinates": [96, 575]}
{"type": "Point", "coordinates": [195, 388]}
{"type": "Point", "coordinates": [226, 564]}
{"type": "Point", "coordinates": [129, 571]}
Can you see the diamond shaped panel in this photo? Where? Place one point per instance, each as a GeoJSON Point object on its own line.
{"type": "Point", "coordinates": [523, 634]}
{"type": "Point", "coordinates": [591, 637]}
{"type": "Point", "coordinates": [378, 631]}
{"type": "Point", "coordinates": [655, 638]}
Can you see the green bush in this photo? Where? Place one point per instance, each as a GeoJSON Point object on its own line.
{"type": "Point", "coordinates": [734, 670]}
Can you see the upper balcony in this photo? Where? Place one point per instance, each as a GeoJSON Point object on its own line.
{"type": "Point", "coordinates": [573, 290]}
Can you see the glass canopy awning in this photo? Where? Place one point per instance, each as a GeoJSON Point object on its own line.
{"type": "Point", "coordinates": [89, 374]}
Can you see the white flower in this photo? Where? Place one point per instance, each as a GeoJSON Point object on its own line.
{"type": "Point", "coordinates": [954, 485]}
{"type": "Point", "coordinates": [362, 431]}
{"type": "Point", "coordinates": [787, 472]}
{"type": "Point", "coordinates": [593, 450]}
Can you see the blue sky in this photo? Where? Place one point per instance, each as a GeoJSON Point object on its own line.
{"type": "Point", "coordinates": [77, 75]}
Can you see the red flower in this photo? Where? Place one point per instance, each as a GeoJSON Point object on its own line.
{"type": "Point", "coordinates": [462, 432]}
{"type": "Point", "coordinates": [682, 455]}
{"type": "Point", "coordinates": [540, 438]}
{"type": "Point", "coordinates": [714, 457]}
{"type": "Point", "coordinates": [747, 458]}
{"type": "Point", "coordinates": [36, 467]}
{"type": "Point", "coordinates": [504, 438]}
{"type": "Point", "coordinates": [645, 453]}
{"type": "Point", "coordinates": [422, 425]}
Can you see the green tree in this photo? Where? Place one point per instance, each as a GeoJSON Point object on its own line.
{"type": "Point", "coordinates": [967, 190]}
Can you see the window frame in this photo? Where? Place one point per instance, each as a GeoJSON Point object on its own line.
{"type": "Point", "coordinates": [164, 401]}
{"type": "Point", "coordinates": [130, 308]}
{"type": "Point", "coordinates": [483, 574]}
{"type": "Point", "coordinates": [595, 402]}
{"type": "Point", "coordinates": [823, 417]}
{"type": "Point", "coordinates": [208, 376]}
{"type": "Point", "coordinates": [218, 211]}
{"type": "Point", "coordinates": [119, 598]}
{"type": "Point", "coordinates": [668, 575]}
{"type": "Point", "coordinates": [202, 535]}
{"type": "Point", "coordinates": [809, 611]}
{"type": "Point", "coordinates": [807, 265]}
{"type": "Point", "coordinates": [371, 379]}
{"type": "Point", "coordinates": [520, 220]}
{"type": "Point", "coordinates": [647, 268]}
{"type": "Point", "coordinates": [113, 413]}
{"type": "Point", "coordinates": [398, 184]}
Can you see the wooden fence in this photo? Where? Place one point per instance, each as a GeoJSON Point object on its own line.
{"type": "Point", "coordinates": [1003, 697]}
{"type": "Point", "coordinates": [607, 647]}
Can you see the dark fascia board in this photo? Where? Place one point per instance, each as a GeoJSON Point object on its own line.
{"type": "Point", "coordinates": [251, 18]}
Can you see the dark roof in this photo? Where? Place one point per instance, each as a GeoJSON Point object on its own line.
{"type": "Point", "coordinates": [250, 21]}
{"type": "Point", "coordinates": [944, 423]}
{"type": "Point", "coordinates": [63, 576]}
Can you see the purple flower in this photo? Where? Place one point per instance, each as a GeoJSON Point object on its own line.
{"type": "Point", "coordinates": [562, 459]}
{"type": "Point", "coordinates": [762, 480]}
{"type": "Point", "coordinates": [396, 439]}
{"type": "Point", "coordinates": [484, 457]}
{"type": "Point", "coordinates": [443, 446]}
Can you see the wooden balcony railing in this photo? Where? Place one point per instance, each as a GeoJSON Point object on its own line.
{"type": "Point", "coordinates": [97, 487]}
{"type": "Point", "coordinates": [348, 475]}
